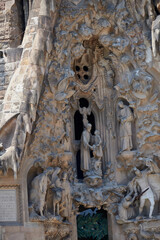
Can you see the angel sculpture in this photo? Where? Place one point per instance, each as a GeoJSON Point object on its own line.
{"type": "Point", "coordinates": [85, 112]}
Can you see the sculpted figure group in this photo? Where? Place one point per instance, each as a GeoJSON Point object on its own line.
{"type": "Point", "coordinates": [46, 187]}
{"type": "Point", "coordinates": [143, 187]}
{"type": "Point", "coordinates": [89, 164]}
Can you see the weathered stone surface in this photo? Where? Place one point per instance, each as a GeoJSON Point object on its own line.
{"type": "Point", "coordinates": [79, 115]}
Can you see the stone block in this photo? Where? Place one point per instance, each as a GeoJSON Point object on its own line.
{"type": "Point", "coordinates": [13, 54]}
{"type": "Point", "coordinates": [14, 236]}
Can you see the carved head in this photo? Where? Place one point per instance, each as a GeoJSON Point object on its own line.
{"type": "Point", "coordinates": [121, 104]}
{"type": "Point", "coordinates": [64, 176]}
{"type": "Point", "coordinates": [128, 198]}
{"type": "Point", "coordinates": [48, 171]}
{"type": "Point", "coordinates": [137, 171]}
{"type": "Point", "coordinates": [96, 132]}
{"type": "Point", "coordinates": [89, 126]}
{"type": "Point", "coordinates": [149, 162]}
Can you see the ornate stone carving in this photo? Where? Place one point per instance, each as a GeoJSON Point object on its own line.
{"type": "Point", "coordinates": [37, 195]}
{"type": "Point", "coordinates": [125, 210]}
{"type": "Point", "coordinates": [85, 112]}
{"type": "Point", "coordinates": [141, 84]}
{"type": "Point", "coordinates": [50, 197]}
{"type": "Point", "coordinates": [143, 187]}
{"type": "Point", "coordinates": [132, 236]}
{"type": "Point", "coordinates": [8, 160]}
{"type": "Point", "coordinates": [84, 67]}
{"type": "Point", "coordinates": [156, 34]}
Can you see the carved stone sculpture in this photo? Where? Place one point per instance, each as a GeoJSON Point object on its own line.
{"type": "Point", "coordinates": [124, 207]}
{"type": "Point", "coordinates": [149, 234]}
{"type": "Point", "coordinates": [57, 196]}
{"type": "Point", "coordinates": [66, 202]}
{"type": "Point", "coordinates": [8, 160]}
{"type": "Point", "coordinates": [85, 149]}
{"type": "Point", "coordinates": [143, 187]}
{"type": "Point", "coordinates": [141, 180]}
{"type": "Point", "coordinates": [94, 174]}
{"type": "Point", "coordinates": [85, 112]}
{"type": "Point", "coordinates": [38, 193]}
{"type": "Point", "coordinates": [156, 34]}
{"type": "Point", "coordinates": [125, 118]}
{"type": "Point", "coordinates": [97, 147]}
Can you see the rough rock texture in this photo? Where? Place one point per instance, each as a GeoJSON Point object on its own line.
{"type": "Point", "coordinates": [67, 69]}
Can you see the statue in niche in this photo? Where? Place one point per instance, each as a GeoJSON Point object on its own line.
{"type": "Point", "coordinates": [156, 34]}
{"type": "Point", "coordinates": [38, 192]}
{"type": "Point", "coordinates": [125, 118]}
{"type": "Point", "coordinates": [91, 167]}
{"type": "Point", "coordinates": [85, 148]}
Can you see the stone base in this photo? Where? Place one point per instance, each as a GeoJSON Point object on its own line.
{"type": "Point", "coordinates": [93, 181]}
{"type": "Point", "coordinates": [126, 158]}
{"type": "Point", "coordinates": [138, 220]}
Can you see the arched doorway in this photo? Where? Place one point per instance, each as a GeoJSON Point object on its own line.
{"type": "Point", "coordinates": [92, 224]}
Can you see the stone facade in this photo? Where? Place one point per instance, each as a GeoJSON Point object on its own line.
{"type": "Point", "coordinates": [79, 117]}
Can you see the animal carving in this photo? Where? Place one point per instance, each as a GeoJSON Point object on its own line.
{"type": "Point", "coordinates": [8, 160]}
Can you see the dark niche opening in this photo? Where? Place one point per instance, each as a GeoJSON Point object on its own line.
{"type": "Point", "coordinates": [21, 9]}
{"type": "Point", "coordinates": [92, 224]}
{"type": "Point", "coordinates": [78, 125]}
{"type": "Point", "coordinates": [91, 120]}
{"type": "Point", "coordinates": [1, 54]}
{"type": "Point", "coordinates": [79, 171]}
{"type": "Point", "coordinates": [25, 12]}
{"type": "Point", "coordinates": [83, 102]}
